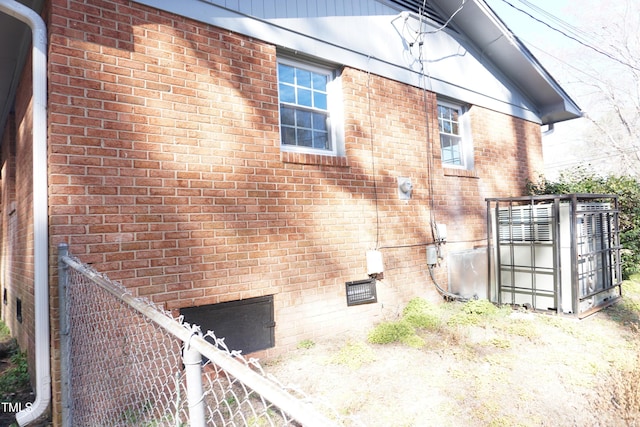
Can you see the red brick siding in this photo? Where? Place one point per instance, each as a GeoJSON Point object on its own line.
{"type": "Point", "coordinates": [166, 170]}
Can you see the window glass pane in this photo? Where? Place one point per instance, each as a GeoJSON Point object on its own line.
{"type": "Point", "coordinates": [286, 74]}
{"type": "Point", "coordinates": [287, 94]}
{"type": "Point", "coordinates": [451, 150]}
{"type": "Point", "coordinates": [304, 138]}
{"type": "Point", "coordinates": [288, 116]}
{"type": "Point", "coordinates": [304, 119]}
{"type": "Point", "coordinates": [319, 121]}
{"type": "Point", "coordinates": [303, 78]}
{"type": "Point", "coordinates": [319, 82]}
{"type": "Point", "coordinates": [288, 135]}
{"type": "Point", "coordinates": [320, 140]}
{"type": "Point", "coordinates": [320, 100]}
{"type": "Point", "coordinates": [304, 97]}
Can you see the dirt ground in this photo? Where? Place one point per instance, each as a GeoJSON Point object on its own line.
{"type": "Point", "coordinates": [514, 369]}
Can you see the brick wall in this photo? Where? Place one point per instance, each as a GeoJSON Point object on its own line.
{"type": "Point", "coordinates": [166, 172]}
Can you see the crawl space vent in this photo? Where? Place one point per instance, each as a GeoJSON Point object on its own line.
{"type": "Point", "coordinates": [361, 292]}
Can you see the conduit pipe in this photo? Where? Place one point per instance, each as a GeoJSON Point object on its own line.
{"type": "Point", "coordinates": [40, 210]}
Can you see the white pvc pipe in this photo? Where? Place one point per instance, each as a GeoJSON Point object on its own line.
{"type": "Point", "coordinates": [40, 210]}
{"type": "Point", "coordinates": [192, 360]}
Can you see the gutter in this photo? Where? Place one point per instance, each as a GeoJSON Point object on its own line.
{"type": "Point", "coordinates": [40, 211]}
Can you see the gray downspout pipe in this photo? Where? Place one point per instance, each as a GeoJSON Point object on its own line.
{"type": "Point", "coordinates": [40, 211]}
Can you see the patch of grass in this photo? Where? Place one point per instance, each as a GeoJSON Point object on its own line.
{"type": "Point", "coordinates": [480, 307]}
{"type": "Point", "coordinates": [354, 354]}
{"type": "Point", "coordinates": [617, 399]}
{"type": "Point", "coordinates": [390, 332]}
{"type": "Point", "coordinates": [264, 419]}
{"type": "Point", "coordinates": [463, 319]}
{"type": "Point", "coordinates": [627, 310]}
{"type": "Point", "coordinates": [306, 344]}
{"type": "Point", "coordinates": [634, 278]}
{"type": "Point", "coordinates": [414, 341]}
{"type": "Point", "coordinates": [420, 313]}
{"type": "Point", "coordinates": [618, 396]}
{"type": "Point", "coordinates": [522, 328]}
{"type": "Point", "coordinates": [16, 377]}
{"type": "Point", "coordinates": [500, 343]}
{"type": "Point", "coordinates": [5, 333]}
{"type": "Point", "coordinates": [474, 312]}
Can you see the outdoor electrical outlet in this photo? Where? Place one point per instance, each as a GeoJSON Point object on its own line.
{"type": "Point", "coordinates": [432, 255]}
{"type": "Point", "coordinates": [404, 188]}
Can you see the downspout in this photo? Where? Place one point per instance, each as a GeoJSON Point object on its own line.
{"type": "Point", "coordinates": [40, 210]}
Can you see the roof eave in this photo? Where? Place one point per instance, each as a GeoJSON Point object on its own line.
{"type": "Point", "coordinates": [502, 48]}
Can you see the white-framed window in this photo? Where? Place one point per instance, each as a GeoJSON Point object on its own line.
{"type": "Point", "coordinates": [310, 108]}
{"type": "Point", "coordinates": [455, 139]}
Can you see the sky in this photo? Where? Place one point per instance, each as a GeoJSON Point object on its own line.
{"type": "Point", "coordinates": [547, 46]}
{"type": "Point", "coordinates": [524, 26]}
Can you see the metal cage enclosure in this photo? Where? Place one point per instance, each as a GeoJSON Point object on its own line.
{"type": "Point", "coordinates": [557, 253]}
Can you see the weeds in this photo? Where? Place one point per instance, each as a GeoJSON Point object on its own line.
{"type": "Point", "coordinates": [617, 400]}
{"type": "Point", "coordinates": [422, 314]}
{"type": "Point", "coordinates": [474, 312]}
{"type": "Point", "coordinates": [390, 332]}
{"type": "Point", "coordinates": [306, 344]}
{"type": "Point", "coordinates": [419, 314]}
{"type": "Point", "coordinates": [16, 377]}
{"type": "Point", "coordinates": [5, 333]}
{"type": "Point", "coordinates": [354, 355]}
{"type": "Point", "coordinates": [618, 396]}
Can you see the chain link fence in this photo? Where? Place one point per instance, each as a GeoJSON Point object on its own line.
{"type": "Point", "coordinates": [126, 362]}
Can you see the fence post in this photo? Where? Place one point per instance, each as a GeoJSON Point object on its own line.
{"type": "Point", "coordinates": [65, 355]}
{"type": "Point", "coordinates": [195, 397]}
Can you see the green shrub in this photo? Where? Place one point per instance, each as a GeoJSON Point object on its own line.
{"type": "Point", "coordinates": [16, 377]}
{"type": "Point", "coordinates": [420, 313]}
{"type": "Point", "coordinates": [389, 332]}
{"type": "Point", "coordinates": [480, 307]}
{"type": "Point", "coordinates": [473, 312]}
{"type": "Point", "coordinates": [464, 319]}
{"type": "Point", "coordinates": [583, 180]}
{"type": "Point", "coordinates": [5, 333]}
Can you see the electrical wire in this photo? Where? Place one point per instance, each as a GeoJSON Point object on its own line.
{"type": "Point", "coordinates": [425, 78]}
{"type": "Point", "coordinates": [446, 294]}
{"type": "Point", "coordinates": [446, 23]}
{"type": "Point", "coordinates": [576, 39]}
{"type": "Point", "coordinates": [373, 157]}
{"type": "Point", "coordinates": [567, 26]}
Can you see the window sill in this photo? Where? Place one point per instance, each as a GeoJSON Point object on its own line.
{"type": "Point", "coordinates": [464, 173]}
{"type": "Point", "coordinates": [312, 159]}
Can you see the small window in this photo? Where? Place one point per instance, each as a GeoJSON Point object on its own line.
{"type": "Point", "coordinates": [308, 109]}
{"type": "Point", "coordinates": [19, 310]}
{"type": "Point", "coordinates": [455, 143]}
